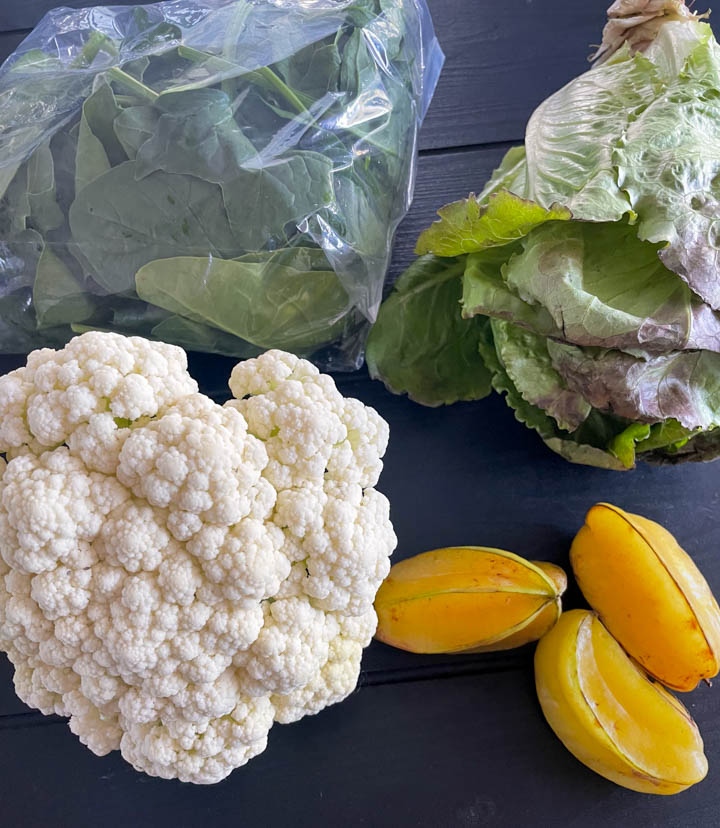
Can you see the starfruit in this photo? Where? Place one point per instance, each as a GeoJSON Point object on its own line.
{"type": "Point", "coordinates": [649, 594]}
{"type": "Point", "coordinates": [467, 599]}
{"type": "Point", "coordinates": [610, 714]}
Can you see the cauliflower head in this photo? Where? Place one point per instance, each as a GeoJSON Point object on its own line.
{"type": "Point", "coordinates": [177, 575]}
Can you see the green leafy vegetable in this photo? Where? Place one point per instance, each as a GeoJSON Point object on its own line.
{"type": "Point", "coordinates": [594, 284]}
{"type": "Point", "coordinates": [585, 448]}
{"type": "Point", "coordinates": [526, 361]}
{"type": "Point", "coordinates": [134, 126]}
{"type": "Point", "coordinates": [120, 223]}
{"type": "Point", "coordinates": [267, 304]}
{"type": "Point", "coordinates": [195, 134]}
{"type": "Point", "coordinates": [264, 153]}
{"type": "Point", "coordinates": [682, 385]}
{"type": "Point", "coordinates": [595, 252]}
{"type": "Point", "coordinates": [58, 295]}
{"type": "Point", "coordinates": [283, 190]}
{"type": "Point", "coordinates": [468, 226]}
{"type": "Point", "coordinates": [431, 353]}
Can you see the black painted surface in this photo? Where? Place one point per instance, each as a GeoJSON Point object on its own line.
{"type": "Point", "coordinates": [427, 741]}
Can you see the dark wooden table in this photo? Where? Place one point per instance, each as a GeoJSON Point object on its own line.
{"type": "Point", "coordinates": [430, 741]}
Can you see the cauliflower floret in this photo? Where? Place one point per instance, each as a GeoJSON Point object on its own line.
{"type": "Point", "coordinates": [337, 678]}
{"type": "Point", "coordinates": [202, 754]}
{"type": "Point", "coordinates": [175, 574]}
{"type": "Point", "coordinates": [14, 392]}
{"type": "Point", "coordinates": [291, 648]}
{"type": "Point", "coordinates": [51, 504]}
{"type": "Point", "coordinates": [134, 536]}
{"type": "Point", "coordinates": [348, 556]}
{"type": "Point", "coordinates": [127, 376]}
{"type": "Point", "coordinates": [244, 561]}
{"type": "Point", "coordinates": [198, 461]}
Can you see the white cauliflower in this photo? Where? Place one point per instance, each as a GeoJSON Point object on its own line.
{"type": "Point", "coordinates": [177, 575]}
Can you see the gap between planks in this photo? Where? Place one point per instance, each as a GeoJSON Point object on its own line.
{"type": "Point", "coordinates": [368, 679]}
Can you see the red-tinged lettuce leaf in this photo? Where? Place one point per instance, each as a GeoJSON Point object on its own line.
{"type": "Point", "coordinates": [669, 164]}
{"type": "Point", "coordinates": [591, 284]}
{"type": "Point", "coordinates": [682, 385]}
{"type": "Point", "coordinates": [587, 445]}
{"type": "Point", "coordinates": [468, 225]}
{"type": "Point", "coordinates": [525, 358]}
{"type": "Point", "coordinates": [420, 345]}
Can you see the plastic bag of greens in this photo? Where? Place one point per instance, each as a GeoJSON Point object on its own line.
{"type": "Point", "coordinates": [226, 175]}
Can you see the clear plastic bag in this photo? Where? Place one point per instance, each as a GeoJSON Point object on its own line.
{"type": "Point", "coordinates": [226, 175]}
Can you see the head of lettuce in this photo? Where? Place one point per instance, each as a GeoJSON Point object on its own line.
{"type": "Point", "coordinates": [583, 282]}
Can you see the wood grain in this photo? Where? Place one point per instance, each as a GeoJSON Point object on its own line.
{"type": "Point", "coordinates": [441, 177]}
{"type": "Point", "coordinates": [503, 58]}
{"type": "Point", "coordinates": [465, 751]}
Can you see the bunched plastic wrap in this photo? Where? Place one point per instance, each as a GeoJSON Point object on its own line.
{"type": "Point", "coordinates": [225, 175]}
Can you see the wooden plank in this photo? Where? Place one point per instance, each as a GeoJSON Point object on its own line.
{"type": "Point", "coordinates": [514, 57]}
{"type": "Point", "coordinates": [25, 15]}
{"type": "Point", "coordinates": [9, 41]}
{"type": "Point", "coordinates": [459, 752]}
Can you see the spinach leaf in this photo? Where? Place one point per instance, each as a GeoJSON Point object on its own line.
{"type": "Point", "coordinates": [64, 152]}
{"type": "Point", "coordinates": [91, 160]}
{"type": "Point", "coordinates": [269, 305]}
{"type": "Point", "coordinates": [100, 111]}
{"type": "Point", "coordinates": [119, 223]}
{"type": "Point", "coordinates": [195, 134]}
{"type": "Point", "coordinates": [45, 213]}
{"type": "Point", "coordinates": [313, 71]}
{"type": "Point", "coordinates": [262, 198]}
{"type": "Point", "coordinates": [194, 336]}
{"type": "Point", "coordinates": [134, 126]}
{"type": "Point", "coordinates": [19, 256]}
{"type": "Point", "coordinates": [59, 296]}
{"type": "Point", "coordinates": [15, 205]}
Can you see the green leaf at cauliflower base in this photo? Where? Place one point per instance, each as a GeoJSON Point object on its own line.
{"type": "Point", "coordinates": [268, 304]}
{"type": "Point", "coordinates": [468, 226]}
{"type": "Point", "coordinates": [681, 385]}
{"type": "Point", "coordinates": [420, 345]}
